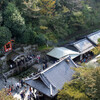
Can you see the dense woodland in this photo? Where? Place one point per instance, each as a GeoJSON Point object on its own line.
{"type": "Point", "coordinates": [47, 21]}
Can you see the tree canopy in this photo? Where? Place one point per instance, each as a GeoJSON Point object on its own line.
{"type": "Point", "coordinates": [53, 20]}
{"type": "Point", "coordinates": [13, 20]}
{"type": "Point", "coordinates": [84, 86]}
{"type": "Point", "coordinates": [5, 36]}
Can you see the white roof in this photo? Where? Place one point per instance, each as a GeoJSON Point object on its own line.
{"type": "Point", "coordinates": [83, 45]}
{"type": "Point", "coordinates": [59, 52]}
{"type": "Point", "coordinates": [94, 36]}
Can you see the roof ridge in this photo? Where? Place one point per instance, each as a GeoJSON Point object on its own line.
{"type": "Point", "coordinates": [93, 33]}
{"type": "Point", "coordinates": [80, 40]}
{"type": "Point", "coordinates": [46, 81]}
{"type": "Point", "coordinates": [54, 64]}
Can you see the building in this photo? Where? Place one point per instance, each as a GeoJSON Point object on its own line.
{"type": "Point", "coordinates": [93, 37]}
{"type": "Point", "coordinates": [60, 52]}
{"type": "Point", "coordinates": [82, 46]}
{"type": "Point", "coordinates": [51, 80]}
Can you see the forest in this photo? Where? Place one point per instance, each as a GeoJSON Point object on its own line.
{"type": "Point", "coordinates": [47, 22]}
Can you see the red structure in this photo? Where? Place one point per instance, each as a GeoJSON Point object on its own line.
{"type": "Point", "coordinates": [8, 46]}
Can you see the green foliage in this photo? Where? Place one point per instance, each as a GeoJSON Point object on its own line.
{"type": "Point", "coordinates": [42, 48]}
{"type": "Point", "coordinates": [47, 7]}
{"type": "Point", "coordinates": [96, 50]}
{"type": "Point", "coordinates": [87, 80]}
{"type": "Point", "coordinates": [14, 20]}
{"type": "Point", "coordinates": [98, 41]}
{"type": "Point", "coordinates": [55, 20]}
{"type": "Point", "coordinates": [32, 4]}
{"type": "Point", "coordinates": [43, 27]}
{"type": "Point", "coordinates": [40, 39]}
{"type": "Point", "coordinates": [5, 36]}
{"type": "Point", "coordinates": [4, 96]}
{"type": "Point", "coordinates": [82, 64]}
{"type": "Point", "coordinates": [28, 36]}
{"type": "Point", "coordinates": [77, 21]}
{"type": "Point", "coordinates": [1, 18]}
{"type": "Point", "coordinates": [70, 93]}
{"type": "Point", "coordinates": [84, 86]}
{"type": "Point", "coordinates": [65, 9]}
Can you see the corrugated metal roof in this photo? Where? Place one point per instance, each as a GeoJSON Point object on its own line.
{"type": "Point", "coordinates": [83, 45]}
{"type": "Point", "coordinates": [56, 75]}
{"type": "Point", "coordinates": [94, 37]}
{"type": "Point", "coordinates": [59, 52]}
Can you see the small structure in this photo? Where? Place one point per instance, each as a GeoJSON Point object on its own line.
{"type": "Point", "coordinates": [93, 37]}
{"type": "Point", "coordinates": [29, 49]}
{"type": "Point", "coordinates": [17, 62]}
{"type": "Point", "coordinates": [60, 52]}
{"type": "Point", "coordinates": [52, 79]}
{"type": "Point", "coordinates": [13, 57]}
{"type": "Point", "coordinates": [82, 46]}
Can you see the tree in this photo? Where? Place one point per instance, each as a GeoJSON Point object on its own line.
{"type": "Point", "coordinates": [13, 20]}
{"type": "Point", "coordinates": [30, 8]}
{"type": "Point", "coordinates": [71, 93]}
{"type": "Point", "coordinates": [96, 50]}
{"type": "Point", "coordinates": [5, 36]}
{"type": "Point", "coordinates": [4, 96]}
{"type": "Point", "coordinates": [31, 4]}
{"type": "Point", "coordinates": [26, 37]}
{"type": "Point", "coordinates": [85, 82]}
{"type": "Point", "coordinates": [40, 39]}
{"type": "Point", "coordinates": [47, 7]}
{"type": "Point", "coordinates": [1, 18]}
{"type": "Point", "coordinates": [29, 36]}
{"type": "Point", "coordinates": [71, 5]}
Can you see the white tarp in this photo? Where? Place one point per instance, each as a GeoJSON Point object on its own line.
{"type": "Point", "coordinates": [60, 52]}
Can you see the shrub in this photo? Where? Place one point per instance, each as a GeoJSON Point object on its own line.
{"type": "Point", "coordinates": [40, 39]}
{"type": "Point", "coordinates": [5, 36]}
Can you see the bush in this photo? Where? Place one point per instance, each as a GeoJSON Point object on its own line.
{"type": "Point", "coordinates": [99, 41]}
{"type": "Point", "coordinates": [5, 36]}
{"type": "Point", "coordinates": [40, 39]}
{"type": "Point", "coordinates": [96, 50]}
